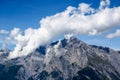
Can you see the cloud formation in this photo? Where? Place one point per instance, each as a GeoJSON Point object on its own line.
{"type": "Point", "coordinates": [76, 21]}
{"type": "Point", "coordinates": [104, 4]}
{"type": "Point", "coordinates": [112, 35]}
{"type": "Point", "coordinates": [15, 32]}
{"type": "Point", "coordinates": [4, 32]}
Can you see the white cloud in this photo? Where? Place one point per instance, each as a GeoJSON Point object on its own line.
{"type": "Point", "coordinates": [104, 4]}
{"type": "Point", "coordinates": [93, 32]}
{"type": "Point", "coordinates": [85, 8]}
{"type": "Point", "coordinates": [9, 37]}
{"type": "Point", "coordinates": [15, 32]}
{"type": "Point", "coordinates": [76, 21]}
{"type": "Point", "coordinates": [112, 35]}
{"type": "Point", "coordinates": [4, 32]}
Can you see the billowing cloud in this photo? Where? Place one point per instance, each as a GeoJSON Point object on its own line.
{"type": "Point", "coordinates": [11, 39]}
{"type": "Point", "coordinates": [8, 37]}
{"type": "Point", "coordinates": [15, 32]}
{"type": "Point", "coordinates": [76, 21]}
{"type": "Point", "coordinates": [112, 35]}
{"type": "Point", "coordinates": [104, 4]}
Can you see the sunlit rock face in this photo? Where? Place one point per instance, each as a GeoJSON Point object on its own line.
{"type": "Point", "coordinates": [67, 59]}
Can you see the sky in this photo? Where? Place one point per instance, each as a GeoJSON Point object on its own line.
{"type": "Point", "coordinates": [28, 13]}
{"type": "Point", "coordinates": [20, 18]}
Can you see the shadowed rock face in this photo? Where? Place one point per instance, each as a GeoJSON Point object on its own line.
{"type": "Point", "coordinates": [118, 51]}
{"type": "Point", "coordinates": [68, 59]}
{"type": "Point", "coordinates": [3, 54]}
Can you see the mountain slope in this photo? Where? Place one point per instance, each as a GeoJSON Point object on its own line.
{"type": "Point", "coordinates": [67, 59]}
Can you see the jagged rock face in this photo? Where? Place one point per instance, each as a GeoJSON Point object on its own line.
{"type": "Point", "coordinates": [67, 59]}
{"type": "Point", "coordinates": [3, 54]}
{"type": "Point", "coordinates": [118, 51]}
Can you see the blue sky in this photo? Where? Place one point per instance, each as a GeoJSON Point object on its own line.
{"type": "Point", "coordinates": [27, 13]}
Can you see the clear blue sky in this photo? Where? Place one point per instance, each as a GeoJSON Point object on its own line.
{"type": "Point", "coordinates": [28, 13]}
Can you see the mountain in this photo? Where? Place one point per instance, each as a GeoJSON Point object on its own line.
{"type": "Point", "coordinates": [118, 51]}
{"type": "Point", "coordinates": [67, 59]}
{"type": "Point", "coordinates": [3, 54]}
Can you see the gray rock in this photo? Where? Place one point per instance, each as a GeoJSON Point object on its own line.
{"type": "Point", "coordinates": [67, 59]}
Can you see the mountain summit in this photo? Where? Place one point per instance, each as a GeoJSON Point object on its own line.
{"type": "Point", "coordinates": [67, 59]}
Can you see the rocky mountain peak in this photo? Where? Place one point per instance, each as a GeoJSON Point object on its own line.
{"type": "Point", "coordinates": [67, 59]}
{"type": "Point", "coordinates": [67, 41]}
{"type": "Point", "coordinates": [71, 38]}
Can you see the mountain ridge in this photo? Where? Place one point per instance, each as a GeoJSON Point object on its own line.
{"type": "Point", "coordinates": [67, 59]}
